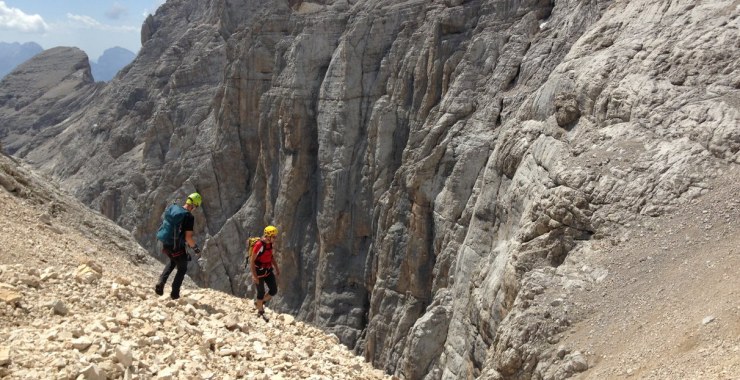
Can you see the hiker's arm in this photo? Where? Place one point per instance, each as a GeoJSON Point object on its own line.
{"type": "Point", "coordinates": [189, 239]}
{"type": "Point", "coordinates": [275, 264]}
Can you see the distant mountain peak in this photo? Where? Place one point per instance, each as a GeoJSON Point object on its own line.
{"type": "Point", "coordinates": [13, 54]}
{"type": "Point", "coordinates": [110, 62]}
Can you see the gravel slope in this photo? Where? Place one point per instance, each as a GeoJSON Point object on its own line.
{"type": "Point", "coordinates": [77, 299]}
{"type": "Point", "coordinates": [669, 306]}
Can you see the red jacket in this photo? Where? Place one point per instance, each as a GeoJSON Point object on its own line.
{"type": "Point", "coordinates": [264, 259]}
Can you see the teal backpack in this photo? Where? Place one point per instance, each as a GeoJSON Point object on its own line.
{"type": "Point", "coordinates": [169, 232]}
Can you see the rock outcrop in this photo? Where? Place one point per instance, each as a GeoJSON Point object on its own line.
{"type": "Point", "coordinates": [40, 94]}
{"type": "Point", "coordinates": [429, 164]}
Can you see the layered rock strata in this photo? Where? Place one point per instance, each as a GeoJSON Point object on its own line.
{"type": "Point", "coordinates": [40, 94]}
{"type": "Point", "coordinates": [426, 162]}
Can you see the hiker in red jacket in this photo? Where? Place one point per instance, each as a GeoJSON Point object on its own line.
{"type": "Point", "coordinates": [264, 268]}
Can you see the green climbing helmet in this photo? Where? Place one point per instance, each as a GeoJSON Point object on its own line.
{"type": "Point", "coordinates": [194, 199]}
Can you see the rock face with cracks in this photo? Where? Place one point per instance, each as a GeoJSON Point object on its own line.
{"type": "Point", "coordinates": [430, 164]}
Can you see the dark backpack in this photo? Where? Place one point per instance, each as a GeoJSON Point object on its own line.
{"type": "Point", "coordinates": [169, 232]}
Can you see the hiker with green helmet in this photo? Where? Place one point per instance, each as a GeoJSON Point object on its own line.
{"type": "Point", "coordinates": [264, 268]}
{"type": "Point", "coordinates": [176, 233]}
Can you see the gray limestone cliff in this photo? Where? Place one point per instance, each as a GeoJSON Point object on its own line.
{"type": "Point", "coordinates": [430, 164]}
{"type": "Point", "coordinates": [40, 94]}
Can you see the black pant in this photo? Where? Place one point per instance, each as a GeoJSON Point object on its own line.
{"type": "Point", "coordinates": [181, 263]}
{"type": "Point", "coordinates": [271, 282]}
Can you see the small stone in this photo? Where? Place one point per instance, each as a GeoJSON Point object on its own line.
{"type": "Point", "coordinates": [59, 308]}
{"type": "Point", "coordinates": [48, 274]}
{"type": "Point", "coordinates": [228, 352]}
{"type": "Point", "coordinates": [124, 355]}
{"type": "Point", "coordinates": [9, 296]}
{"type": "Point", "coordinates": [167, 374]}
{"type": "Point", "coordinates": [231, 322]}
{"type": "Point", "coordinates": [4, 356]}
{"type": "Point", "coordinates": [707, 320]}
{"type": "Point", "coordinates": [92, 372]}
{"type": "Point", "coordinates": [578, 362]}
{"type": "Point", "coordinates": [81, 343]}
{"type": "Point", "coordinates": [288, 319]}
{"type": "Point", "coordinates": [86, 274]}
{"type": "Point", "coordinates": [562, 351]}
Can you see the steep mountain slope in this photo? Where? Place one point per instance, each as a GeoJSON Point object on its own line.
{"type": "Point", "coordinates": [76, 299]}
{"type": "Point", "coordinates": [42, 93]}
{"type": "Point", "coordinates": [432, 165]}
{"type": "Point", "coordinates": [661, 302]}
{"type": "Point", "coordinates": [669, 307]}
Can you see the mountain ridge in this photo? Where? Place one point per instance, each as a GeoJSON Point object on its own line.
{"type": "Point", "coordinates": [103, 69]}
{"type": "Point", "coordinates": [432, 166]}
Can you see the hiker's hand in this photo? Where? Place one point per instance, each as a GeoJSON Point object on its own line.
{"type": "Point", "coordinates": [256, 280]}
{"type": "Point", "coordinates": [196, 249]}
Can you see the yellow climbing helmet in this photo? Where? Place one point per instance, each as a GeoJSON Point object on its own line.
{"type": "Point", "coordinates": [194, 199]}
{"type": "Point", "coordinates": [270, 231]}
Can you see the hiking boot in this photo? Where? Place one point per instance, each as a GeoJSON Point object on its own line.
{"type": "Point", "coordinates": [174, 296]}
{"type": "Point", "coordinates": [159, 289]}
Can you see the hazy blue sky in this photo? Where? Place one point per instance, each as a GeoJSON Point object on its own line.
{"type": "Point", "coordinates": [91, 25]}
